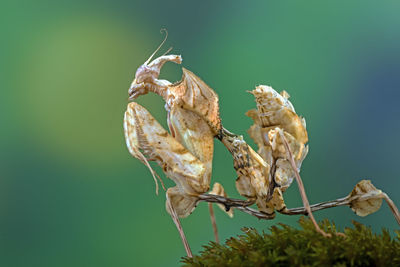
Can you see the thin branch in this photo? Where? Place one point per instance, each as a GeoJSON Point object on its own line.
{"type": "Point", "coordinates": [227, 202]}
{"type": "Point", "coordinates": [256, 213]}
{"type": "Point", "coordinates": [213, 222]}
{"type": "Point", "coordinates": [239, 204]}
{"type": "Point", "coordinates": [243, 205]}
{"type": "Point", "coordinates": [178, 225]}
{"type": "Point", "coordinates": [319, 206]}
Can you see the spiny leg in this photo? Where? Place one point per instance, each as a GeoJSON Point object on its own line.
{"type": "Point", "coordinates": [147, 140]}
{"type": "Point", "coordinates": [213, 222]}
{"type": "Point", "coordinates": [144, 133]}
{"type": "Point", "coordinates": [392, 207]}
{"type": "Point", "coordinates": [218, 191]}
{"type": "Point", "coordinates": [301, 186]}
{"type": "Point", "coordinates": [178, 225]}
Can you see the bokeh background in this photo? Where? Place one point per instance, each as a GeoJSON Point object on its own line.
{"type": "Point", "coordinates": [71, 194]}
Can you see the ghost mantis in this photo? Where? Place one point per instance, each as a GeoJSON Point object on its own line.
{"type": "Point", "coordinates": [185, 153]}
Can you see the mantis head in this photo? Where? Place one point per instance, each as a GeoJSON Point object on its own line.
{"type": "Point", "coordinates": [146, 77]}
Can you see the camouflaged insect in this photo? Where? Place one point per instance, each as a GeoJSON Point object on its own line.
{"type": "Point", "coordinates": [185, 154]}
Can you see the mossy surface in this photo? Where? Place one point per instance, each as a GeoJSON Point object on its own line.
{"type": "Point", "coordinates": [288, 246]}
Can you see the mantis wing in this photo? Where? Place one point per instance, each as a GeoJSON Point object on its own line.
{"type": "Point", "coordinates": [191, 93]}
{"type": "Point", "coordinates": [195, 135]}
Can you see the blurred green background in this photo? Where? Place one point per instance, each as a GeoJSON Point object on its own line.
{"type": "Point", "coordinates": [71, 194]}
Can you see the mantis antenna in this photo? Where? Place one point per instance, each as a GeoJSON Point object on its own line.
{"type": "Point", "coordinates": [158, 48]}
{"type": "Point", "coordinates": [166, 52]}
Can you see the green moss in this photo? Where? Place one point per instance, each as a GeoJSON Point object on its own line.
{"type": "Point", "coordinates": [288, 246]}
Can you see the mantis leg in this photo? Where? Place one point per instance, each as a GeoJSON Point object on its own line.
{"type": "Point", "coordinates": [147, 140]}
{"type": "Point", "coordinates": [301, 186]}
{"type": "Point", "coordinates": [178, 225]}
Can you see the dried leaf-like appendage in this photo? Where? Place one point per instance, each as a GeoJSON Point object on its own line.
{"type": "Point", "coordinates": [146, 137]}
{"type": "Point", "coordinates": [190, 130]}
{"type": "Point", "coordinates": [252, 171]}
{"type": "Point", "coordinates": [191, 93]}
{"type": "Point", "coordinates": [275, 110]}
{"type": "Point", "coordinates": [193, 120]}
{"type": "Point", "coordinates": [366, 198]}
{"type": "Point", "coordinates": [265, 179]}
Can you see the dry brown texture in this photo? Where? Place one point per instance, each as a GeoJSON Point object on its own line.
{"type": "Point", "coordinates": [186, 154]}
{"type": "Point", "coordinates": [191, 93]}
{"type": "Point", "coordinates": [144, 133]}
{"type": "Point", "coordinates": [263, 176]}
{"type": "Point", "coordinates": [368, 206]}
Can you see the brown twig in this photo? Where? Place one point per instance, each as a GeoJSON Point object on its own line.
{"type": "Point", "coordinates": [319, 206]}
{"type": "Point", "coordinates": [243, 205]}
{"type": "Point", "coordinates": [301, 186]}
{"type": "Point", "coordinates": [178, 225]}
{"type": "Point", "coordinates": [213, 222]}
{"type": "Point", "coordinates": [227, 202]}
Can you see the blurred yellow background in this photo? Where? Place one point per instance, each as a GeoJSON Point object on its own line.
{"type": "Point", "coordinates": [71, 194]}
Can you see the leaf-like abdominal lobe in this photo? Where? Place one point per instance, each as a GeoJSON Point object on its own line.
{"type": "Point", "coordinates": [274, 109]}
{"type": "Point", "coordinates": [270, 173]}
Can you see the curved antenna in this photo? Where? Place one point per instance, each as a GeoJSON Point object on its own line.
{"type": "Point", "coordinates": [166, 52]}
{"type": "Point", "coordinates": [158, 48]}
